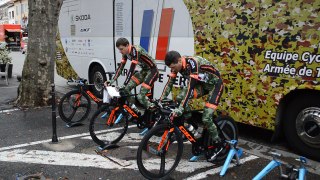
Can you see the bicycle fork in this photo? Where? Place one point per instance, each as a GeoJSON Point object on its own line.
{"type": "Point", "coordinates": [163, 144]}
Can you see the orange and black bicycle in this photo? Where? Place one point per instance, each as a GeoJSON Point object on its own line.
{"type": "Point", "coordinates": [160, 150]}
{"type": "Point", "coordinates": [75, 106]}
{"type": "Point", "coordinates": [109, 124]}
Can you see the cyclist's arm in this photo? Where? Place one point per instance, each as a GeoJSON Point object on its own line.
{"type": "Point", "coordinates": [134, 54]}
{"type": "Point", "coordinates": [119, 70]}
{"type": "Point", "coordinates": [167, 89]}
{"type": "Point", "coordinates": [192, 83]}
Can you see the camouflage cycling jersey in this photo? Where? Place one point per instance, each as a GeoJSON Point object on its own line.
{"type": "Point", "coordinates": [147, 76]}
{"type": "Point", "coordinates": [202, 73]}
{"type": "Point", "coordinates": [139, 56]}
{"type": "Point", "coordinates": [203, 79]}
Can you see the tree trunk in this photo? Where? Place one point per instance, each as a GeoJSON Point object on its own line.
{"type": "Point", "coordinates": [38, 69]}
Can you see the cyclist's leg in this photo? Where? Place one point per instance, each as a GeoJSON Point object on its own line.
{"type": "Point", "coordinates": [135, 80]}
{"type": "Point", "coordinates": [210, 106]}
{"type": "Point", "coordinates": [146, 86]}
{"type": "Point", "coordinates": [207, 118]}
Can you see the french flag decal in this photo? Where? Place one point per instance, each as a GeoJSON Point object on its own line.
{"type": "Point", "coordinates": [164, 31]}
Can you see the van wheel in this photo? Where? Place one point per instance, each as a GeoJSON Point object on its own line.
{"type": "Point", "coordinates": [302, 125]}
{"type": "Point", "coordinates": [97, 77]}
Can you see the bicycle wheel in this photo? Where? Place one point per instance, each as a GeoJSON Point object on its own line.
{"type": "Point", "coordinates": [74, 106]}
{"type": "Point", "coordinates": [159, 153]}
{"type": "Point", "coordinates": [228, 131]}
{"type": "Point", "coordinates": [105, 129]}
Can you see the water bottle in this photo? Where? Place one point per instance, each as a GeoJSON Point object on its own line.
{"type": "Point", "coordinates": [135, 108]}
{"type": "Point", "coordinates": [196, 132]}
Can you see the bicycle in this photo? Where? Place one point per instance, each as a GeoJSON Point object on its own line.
{"type": "Point", "coordinates": [115, 118]}
{"type": "Point", "coordinates": [160, 150]}
{"type": "Point", "coordinates": [74, 107]}
{"type": "Point", "coordinates": [292, 172]}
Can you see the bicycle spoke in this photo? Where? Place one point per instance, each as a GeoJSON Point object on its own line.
{"type": "Point", "coordinates": [223, 124]}
{"type": "Point", "coordinates": [74, 107]}
{"type": "Point", "coordinates": [157, 155]}
{"type": "Point", "coordinates": [163, 164]}
{"type": "Point", "coordinates": [72, 114]}
{"type": "Point", "coordinates": [103, 120]}
{"type": "Point", "coordinates": [226, 135]}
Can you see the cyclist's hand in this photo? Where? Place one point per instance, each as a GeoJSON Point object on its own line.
{"type": "Point", "coordinates": [176, 112]}
{"type": "Point", "coordinates": [107, 83]}
{"type": "Point", "coordinates": [121, 88]}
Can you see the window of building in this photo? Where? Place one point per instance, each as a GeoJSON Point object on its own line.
{"type": "Point", "coordinates": [22, 8]}
{"type": "Point", "coordinates": [9, 15]}
{"type": "Point", "coordinates": [12, 14]}
{"type": "Point", "coordinates": [17, 10]}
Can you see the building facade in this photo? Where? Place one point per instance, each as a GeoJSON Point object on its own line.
{"type": "Point", "coordinates": [21, 12]}
{"type": "Point", "coordinates": [11, 13]}
{"type": "Point", "coordinates": [4, 19]}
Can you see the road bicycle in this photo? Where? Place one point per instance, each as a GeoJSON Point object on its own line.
{"type": "Point", "coordinates": [114, 118]}
{"type": "Point", "coordinates": [161, 149]}
{"type": "Point", "coordinates": [292, 172]}
{"type": "Point", "coordinates": [74, 107]}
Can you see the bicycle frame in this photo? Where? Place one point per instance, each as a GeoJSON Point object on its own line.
{"type": "Point", "coordinates": [178, 123]}
{"type": "Point", "coordinates": [112, 117]}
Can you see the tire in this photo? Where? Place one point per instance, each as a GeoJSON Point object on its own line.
{"type": "Point", "coordinates": [70, 111]}
{"type": "Point", "coordinates": [147, 160]}
{"type": "Point", "coordinates": [113, 133]}
{"type": "Point", "coordinates": [302, 125]}
{"type": "Point", "coordinates": [228, 131]}
{"type": "Point", "coordinates": [97, 77]}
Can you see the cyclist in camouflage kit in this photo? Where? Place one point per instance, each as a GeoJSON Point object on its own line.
{"type": "Point", "coordinates": [203, 79]}
{"type": "Point", "coordinates": [146, 76]}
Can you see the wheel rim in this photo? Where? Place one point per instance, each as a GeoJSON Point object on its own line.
{"type": "Point", "coordinates": [98, 80]}
{"type": "Point", "coordinates": [228, 130]}
{"type": "Point", "coordinates": [308, 126]}
{"type": "Point", "coordinates": [155, 164]}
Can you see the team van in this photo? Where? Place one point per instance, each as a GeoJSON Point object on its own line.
{"type": "Point", "coordinates": [267, 52]}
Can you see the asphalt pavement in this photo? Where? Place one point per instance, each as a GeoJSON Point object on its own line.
{"type": "Point", "coordinates": [26, 147]}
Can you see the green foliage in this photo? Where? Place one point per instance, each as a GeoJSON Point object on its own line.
{"type": "Point", "coordinates": [4, 56]}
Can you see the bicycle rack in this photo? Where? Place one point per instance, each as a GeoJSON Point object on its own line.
{"type": "Point", "coordinates": [301, 171]}
{"type": "Point", "coordinates": [273, 164]}
{"type": "Point", "coordinates": [74, 124]}
{"type": "Point", "coordinates": [107, 147]}
{"type": "Point", "coordinates": [234, 151]}
{"type": "Point", "coordinates": [194, 158]}
{"type": "Point", "coordinates": [144, 132]}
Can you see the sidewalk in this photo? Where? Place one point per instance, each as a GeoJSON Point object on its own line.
{"type": "Point", "coordinates": [8, 94]}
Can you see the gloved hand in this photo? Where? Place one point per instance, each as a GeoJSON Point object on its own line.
{"type": "Point", "coordinates": [122, 91]}
{"type": "Point", "coordinates": [121, 88]}
{"type": "Point", "coordinates": [177, 112]}
{"type": "Point", "coordinates": [108, 83]}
